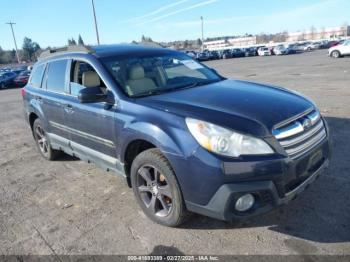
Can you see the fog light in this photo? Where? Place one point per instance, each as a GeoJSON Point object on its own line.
{"type": "Point", "coordinates": [244, 203]}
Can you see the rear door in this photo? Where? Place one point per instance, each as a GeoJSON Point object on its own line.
{"type": "Point", "coordinates": [54, 100]}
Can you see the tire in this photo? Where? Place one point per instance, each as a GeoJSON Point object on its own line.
{"type": "Point", "coordinates": [156, 188]}
{"type": "Point", "coordinates": [335, 54]}
{"type": "Point", "coordinates": [2, 86]}
{"type": "Point", "coordinates": [43, 143]}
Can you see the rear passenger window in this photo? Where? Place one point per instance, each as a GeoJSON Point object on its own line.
{"type": "Point", "coordinates": [57, 76]}
{"type": "Point", "coordinates": [37, 75]}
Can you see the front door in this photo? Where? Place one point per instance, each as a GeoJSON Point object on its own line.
{"type": "Point", "coordinates": [91, 126]}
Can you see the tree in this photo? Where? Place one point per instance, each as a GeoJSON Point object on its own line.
{"type": "Point", "coordinates": [323, 33]}
{"type": "Point", "coordinates": [346, 29]}
{"type": "Point", "coordinates": [312, 32]}
{"type": "Point", "coordinates": [80, 40]}
{"type": "Point", "coordinates": [29, 48]}
{"type": "Point", "coordinates": [186, 44]}
{"type": "Point", "coordinates": [71, 42]}
{"type": "Point", "coordinates": [199, 42]}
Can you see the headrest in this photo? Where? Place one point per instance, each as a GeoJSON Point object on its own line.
{"type": "Point", "coordinates": [90, 79]}
{"type": "Point", "coordinates": [136, 72]}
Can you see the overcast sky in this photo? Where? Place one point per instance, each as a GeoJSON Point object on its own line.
{"type": "Point", "coordinates": [52, 22]}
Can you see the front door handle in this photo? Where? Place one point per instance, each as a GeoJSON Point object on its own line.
{"type": "Point", "coordinates": [68, 108]}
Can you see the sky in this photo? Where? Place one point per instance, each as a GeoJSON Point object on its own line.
{"type": "Point", "coordinates": [52, 22]}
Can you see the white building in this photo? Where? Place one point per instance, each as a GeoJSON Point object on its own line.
{"type": "Point", "coordinates": [229, 43]}
{"type": "Point", "coordinates": [324, 33]}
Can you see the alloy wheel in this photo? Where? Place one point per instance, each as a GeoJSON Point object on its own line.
{"type": "Point", "coordinates": [154, 190]}
{"type": "Point", "coordinates": [42, 140]}
{"type": "Point", "coordinates": [335, 54]}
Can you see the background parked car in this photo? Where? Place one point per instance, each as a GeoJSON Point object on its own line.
{"type": "Point", "coordinates": [6, 79]}
{"type": "Point", "coordinates": [203, 56]}
{"type": "Point", "coordinates": [250, 51]}
{"type": "Point", "coordinates": [338, 42]}
{"type": "Point", "coordinates": [264, 51]}
{"type": "Point", "coordinates": [280, 50]}
{"type": "Point", "coordinates": [22, 78]}
{"type": "Point", "coordinates": [191, 54]}
{"type": "Point", "coordinates": [291, 49]}
{"type": "Point", "coordinates": [237, 52]}
{"type": "Point", "coordinates": [312, 46]}
{"type": "Point", "coordinates": [226, 54]}
{"type": "Point", "coordinates": [340, 50]}
{"type": "Point", "coordinates": [214, 55]}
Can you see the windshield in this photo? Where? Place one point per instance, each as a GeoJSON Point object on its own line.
{"type": "Point", "coordinates": [151, 75]}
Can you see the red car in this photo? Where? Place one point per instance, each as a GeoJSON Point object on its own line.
{"type": "Point", "coordinates": [22, 78]}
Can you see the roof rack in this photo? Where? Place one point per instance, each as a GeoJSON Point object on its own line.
{"type": "Point", "coordinates": [67, 49]}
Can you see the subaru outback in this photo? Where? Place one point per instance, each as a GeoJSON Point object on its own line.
{"type": "Point", "coordinates": [183, 137]}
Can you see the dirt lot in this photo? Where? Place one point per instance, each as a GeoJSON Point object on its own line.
{"type": "Point", "coordinates": [71, 207]}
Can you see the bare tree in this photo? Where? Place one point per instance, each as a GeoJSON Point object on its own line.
{"type": "Point", "coordinates": [312, 32]}
{"type": "Point", "coordinates": [323, 33]}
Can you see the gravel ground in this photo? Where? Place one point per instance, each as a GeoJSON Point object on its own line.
{"type": "Point", "coordinates": [71, 207]}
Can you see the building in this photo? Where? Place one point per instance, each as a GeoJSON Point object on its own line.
{"type": "Point", "coordinates": [229, 43]}
{"type": "Point", "coordinates": [324, 33]}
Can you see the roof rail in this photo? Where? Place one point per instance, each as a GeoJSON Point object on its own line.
{"type": "Point", "coordinates": [67, 49]}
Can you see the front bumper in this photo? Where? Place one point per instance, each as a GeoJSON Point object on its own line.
{"type": "Point", "coordinates": [211, 186]}
{"type": "Point", "coordinates": [221, 205]}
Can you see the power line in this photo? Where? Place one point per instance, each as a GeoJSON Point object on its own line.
{"type": "Point", "coordinates": [96, 29]}
{"type": "Point", "coordinates": [14, 39]}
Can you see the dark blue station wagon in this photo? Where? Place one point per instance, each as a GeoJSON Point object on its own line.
{"type": "Point", "coordinates": [183, 137]}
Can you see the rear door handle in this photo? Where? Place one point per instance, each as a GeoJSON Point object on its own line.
{"type": "Point", "coordinates": [69, 106]}
{"type": "Point", "coordinates": [39, 99]}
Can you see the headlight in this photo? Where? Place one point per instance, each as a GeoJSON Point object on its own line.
{"type": "Point", "coordinates": [224, 141]}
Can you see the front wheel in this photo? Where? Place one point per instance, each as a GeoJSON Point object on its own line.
{"type": "Point", "coordinates": [335, 54]}
{"type": "Point", "coordinates": [156, 188]}
{"type": "Point", "coordinates": [2, 86]}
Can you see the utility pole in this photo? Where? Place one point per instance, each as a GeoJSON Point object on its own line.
{"type": "Point", "coordinates": [202, 33]}
{"type": "Point", "coordinates": [14, 39]}
{"type": "Point", "coordinates": [96, 29]}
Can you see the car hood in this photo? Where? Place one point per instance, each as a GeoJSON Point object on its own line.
{"type": "Point", "coordinates": [244, 106]}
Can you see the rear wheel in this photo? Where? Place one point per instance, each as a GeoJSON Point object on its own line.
{"type": "Point", "coordinates": [43, 142]}
{"type": "Point", "coordinates": [335, 54]}
{"type": "Point", "coordinates": [156, 188]}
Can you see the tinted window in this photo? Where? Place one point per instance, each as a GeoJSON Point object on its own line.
{"type": "Point", "coordinates": [37, 75]}
{"type": "Point", "coordinates": [56, 76]}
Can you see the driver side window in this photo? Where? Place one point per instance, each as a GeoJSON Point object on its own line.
{"type": "Point", "coordinates": [83, 75]}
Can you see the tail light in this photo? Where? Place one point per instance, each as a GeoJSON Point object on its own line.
{"type": "Point", "coordinates": [23, 92]}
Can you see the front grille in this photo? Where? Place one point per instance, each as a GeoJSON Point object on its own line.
{"type": "Point", "coordinates": [302, 134]}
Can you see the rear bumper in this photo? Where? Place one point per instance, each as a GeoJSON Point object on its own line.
{"type": "Point", "coordinates": [221, 205]}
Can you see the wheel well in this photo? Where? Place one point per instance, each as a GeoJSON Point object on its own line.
{"type": "Point", "coordinates": [133, 149]}
{"type": "Point", "coordinates": [32, 118]}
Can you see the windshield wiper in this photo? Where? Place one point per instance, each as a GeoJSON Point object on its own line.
{"type": "Point", "coordinates": [166, 90]}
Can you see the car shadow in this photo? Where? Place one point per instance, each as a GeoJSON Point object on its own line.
{"type": "Point", "coordinates": [321, 213]}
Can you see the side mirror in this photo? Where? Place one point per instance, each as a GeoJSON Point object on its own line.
{"type": "Point", "coordinates": [92, 95]}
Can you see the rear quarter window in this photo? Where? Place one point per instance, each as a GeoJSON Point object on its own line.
{"type": "Point", "coordinates": [56, 78]}
{"type": "Point", "coordinates": [37, 75]}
